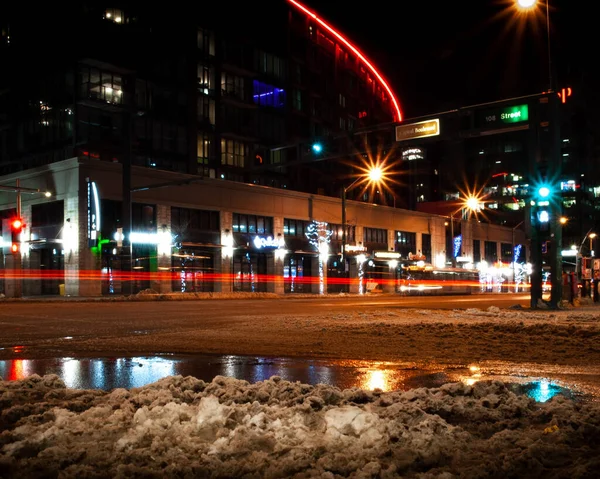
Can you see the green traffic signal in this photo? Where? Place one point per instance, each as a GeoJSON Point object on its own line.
{"type": "Point", "coordinates": [544, 191]}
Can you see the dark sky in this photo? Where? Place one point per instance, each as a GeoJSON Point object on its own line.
{"type": "Point", "coordinates": [440, 55]}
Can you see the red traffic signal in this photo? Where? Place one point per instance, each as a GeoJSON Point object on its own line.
{"type": "Point", "coordinates": [16, 225]}
{"type": "Point", "coordinates": [16, 228]}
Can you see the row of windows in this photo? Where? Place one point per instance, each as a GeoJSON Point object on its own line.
{"type": "Point", "coordinates": [185, 219]}
{"type": "Point", "coordinates": [375, 235]}
{"type": "Point", "coordinates": [252, 224]}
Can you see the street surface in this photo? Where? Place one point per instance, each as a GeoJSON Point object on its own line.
{"type": "Point", "coordinates": [443, 333]}
{"type": "Point", "coordinates": [55, 328]}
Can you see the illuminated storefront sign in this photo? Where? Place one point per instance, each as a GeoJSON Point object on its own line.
{"type": "Point", "coordinates": [93, 213]}
{"type": "Point", "coordinates": [411, 154]}
{"type": "Point", "coordinates": [386, 255]}
{"type": "Point", "coordinates": [355, 248]}
{"type": "Point", "coordinates": [267, 242]}
{"type": "Point", "coordinates": [421, 129]}
{"type": "Point", "coordinates": [457, 245]}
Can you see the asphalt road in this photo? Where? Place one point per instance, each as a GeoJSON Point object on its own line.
{"type": "Point", "coordinates": [61, 327]}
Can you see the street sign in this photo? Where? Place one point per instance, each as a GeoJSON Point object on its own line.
{"type": "Point", "coordinates": [421, 129]}
{"type": "Point", "coordinates": [499, 116]}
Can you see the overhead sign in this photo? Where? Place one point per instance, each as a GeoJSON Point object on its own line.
{"type": "Point", "coordinates": [422, 129]}
{"type": "Point", "coordinates": [502, 116]}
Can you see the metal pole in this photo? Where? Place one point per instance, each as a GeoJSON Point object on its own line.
{"type": "Point", "coordinates": [452, 240]}
{"type": "Point", "coordinates": [344, 227]}
{"type": "Point", "coordinates": [126, 213]}
{"type": "Point", "coordinates": [514, 268]}
{"type": "Point", "coordinates": [18, 199]}
{"type": "Point", "coordinates": [556, 265]}
{"type": "Point", "coordinates": [550, 80]}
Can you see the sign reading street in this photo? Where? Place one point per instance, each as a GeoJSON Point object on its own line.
{"type": "Point", "coordinates": [502, 116]}
{"type": "Point", "coordinates": [421, 129]}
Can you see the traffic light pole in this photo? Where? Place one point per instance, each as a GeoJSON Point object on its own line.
{"type": "Point", "coordinates": [555, 206]}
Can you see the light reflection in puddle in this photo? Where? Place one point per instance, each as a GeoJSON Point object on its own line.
{"type": "Point", "coordinates": [110, 373]}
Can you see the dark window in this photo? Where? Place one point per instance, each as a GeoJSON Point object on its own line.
{"type": "Point", "coordinates": [506, 252]}
{"type": "Point", "coordinates": [143, 217]}
{"type": "Point", "coordinates": [184, 218]}
{"type": "Point", "coordinates": [338, 233]}
{"type": "Point", "coordinates": [476, 251]}
{"type": "Point", "coordinates": [426, 245]}
{"type": "Point", "coordinates": [406, 243]}
{"type": "Point", "coordinates": [46, 214]}
{"type": "Point", "coordinates": [375, 235]}
{"type": "Point", "coordinates": [490, 251]}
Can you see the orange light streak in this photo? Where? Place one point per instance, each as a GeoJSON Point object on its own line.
{"type": "Point", "coordinates": [354, 50]}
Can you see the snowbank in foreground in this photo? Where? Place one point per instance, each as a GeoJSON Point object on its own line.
{"type": "Point", "coordinates": [185, 427]}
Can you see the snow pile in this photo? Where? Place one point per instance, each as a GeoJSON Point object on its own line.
{"type": "Point", "coordinates": [185, 427]}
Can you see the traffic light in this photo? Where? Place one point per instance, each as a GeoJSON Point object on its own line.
{"type": "Point", "coordinates": [541, 211]}
{"type": "Point", "coordinates": [16, 228]}
{"type": "Point", "coordinates": [317, 148]}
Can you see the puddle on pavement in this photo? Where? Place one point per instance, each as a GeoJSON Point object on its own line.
{"type": "Point", "coordinates": [110, 373]}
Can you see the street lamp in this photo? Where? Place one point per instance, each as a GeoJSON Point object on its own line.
{"type": "Point", "coordinates": [591, 236]}
{"type": "Point", "coordinates": [554, 165]}
{"type": "Point", "coordinates": [529, 5]}
{"type": "Point", "coordinates": [471, 203]}
{"type": "Point", "coordinates": [374, 175]}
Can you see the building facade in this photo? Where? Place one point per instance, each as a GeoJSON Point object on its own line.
{"type": "Point", "coordinates": [212, 235]}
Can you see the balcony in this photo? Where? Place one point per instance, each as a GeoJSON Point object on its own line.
{"type": "Point", "coordinates": [106, 97]}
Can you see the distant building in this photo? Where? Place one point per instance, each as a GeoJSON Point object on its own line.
{"type": "Point", "coordinates": [189, 89]}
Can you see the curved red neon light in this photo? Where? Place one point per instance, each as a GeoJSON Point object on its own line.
{"type": "Point", "coordinates": [356, 52]}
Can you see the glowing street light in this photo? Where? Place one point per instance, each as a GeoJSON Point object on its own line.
{"type": "Point", "coordinates": [526, 4]}
{"type": "Point", "coordinates": [471, 203]}
{"type": "Point", "coordinates": [563, 220]}
{"type": "Point", "coordinates": [373, 175]}
{"type": "Point", "coordinates": [591, 236]}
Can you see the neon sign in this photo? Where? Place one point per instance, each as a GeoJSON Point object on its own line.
{"type": "Point", "coordinates": [457, 245]}
{"type": "Point", "coordinates": [93, 213]}
{"type": "Point", "coordinates": [262, 242]}
{"type": "Point", "coordinates": [359, 55]}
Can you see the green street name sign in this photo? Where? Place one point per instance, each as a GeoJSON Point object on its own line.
{"type": "Point", "coordinates": [502, 116]}
{"type": "Point", "coordinates": [514, 114]}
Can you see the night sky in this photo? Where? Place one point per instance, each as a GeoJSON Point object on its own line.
{"type": "Point", "coordinates": [440, 55]}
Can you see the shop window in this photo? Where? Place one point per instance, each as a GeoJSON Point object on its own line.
{"type": "Point", "coordinates": [375, 235]}
{"type": "Point", "coordinates": [252, 224]}
{"type": "Point", "coordinates": [406, 242]}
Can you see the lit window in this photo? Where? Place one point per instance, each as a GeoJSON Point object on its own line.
{"type": "Point", "coordinates": [114, 15]}
{"type": "Point", "coordinates": [264, 94]}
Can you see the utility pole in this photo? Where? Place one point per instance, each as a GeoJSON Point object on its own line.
{"type": "Point", "coordinates": [555, 204]}
{"type": "Point", "coordinates": [126, 252]}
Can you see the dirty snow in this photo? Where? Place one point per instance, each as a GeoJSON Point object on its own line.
{"type": "Point", "coordinates": [185, 427]}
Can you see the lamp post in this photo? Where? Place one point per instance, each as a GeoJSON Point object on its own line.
{"type": "Point", "coordinates": [591, 236]}
{"type": "Point", "coordinates": [551, 170]}
{"type": "Point", "coordinates": [373, 175]}
{"type": "Point", "coordinates": [527, 5]}
{"type": "Point", "coordinates": [472, 204]}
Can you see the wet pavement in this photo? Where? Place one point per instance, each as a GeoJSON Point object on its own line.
{"type": "Point", "coordinates": [540, 382]}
